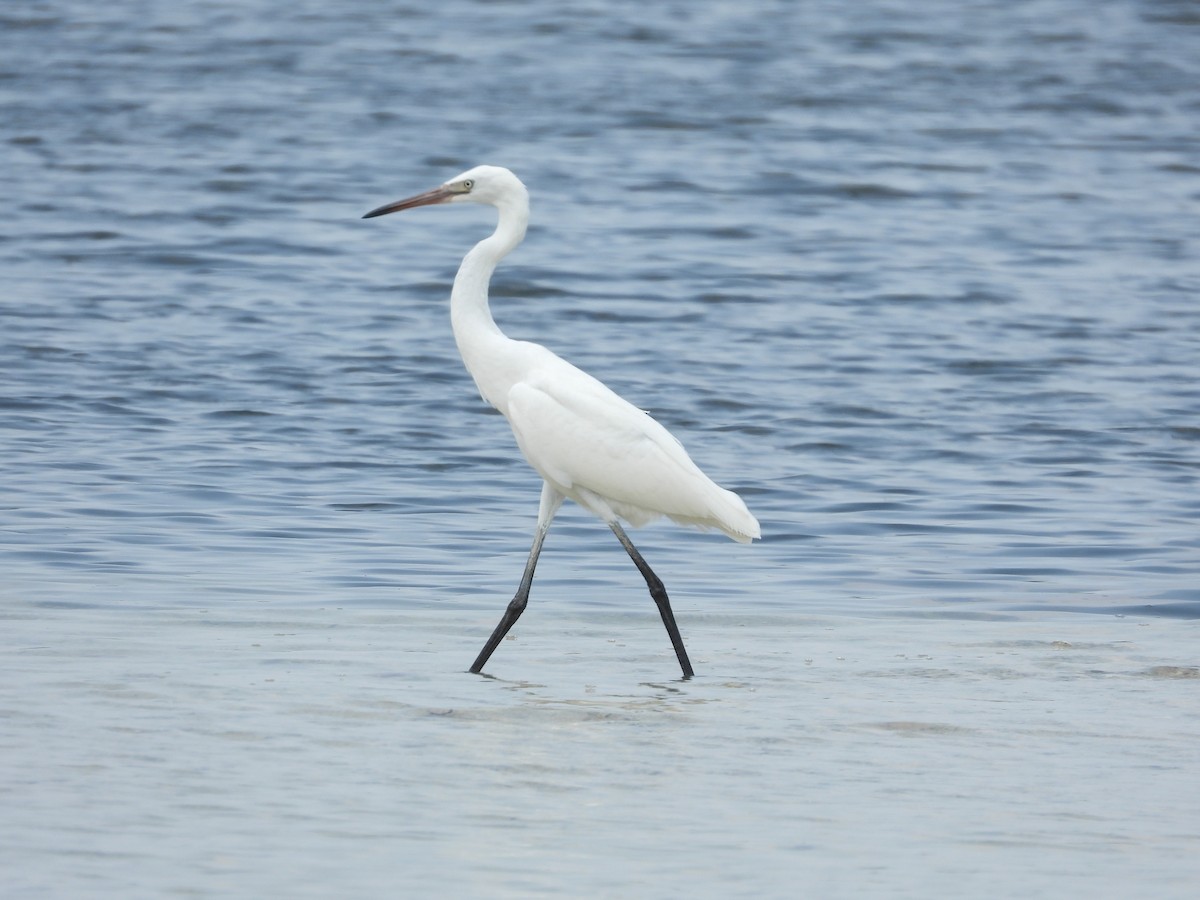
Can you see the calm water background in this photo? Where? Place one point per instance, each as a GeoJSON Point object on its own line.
{"type": "Point", "coordinates": [918, 280]}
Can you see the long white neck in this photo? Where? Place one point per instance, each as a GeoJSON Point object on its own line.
{"type": "Point", "coordinates": [480, 342]}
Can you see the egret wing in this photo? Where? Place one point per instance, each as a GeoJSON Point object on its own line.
{"type": "Point", "coordinates": [579, 434]}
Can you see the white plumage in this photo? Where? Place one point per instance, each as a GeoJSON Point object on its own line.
{"type": "Point", "coordinates": [588, 443]}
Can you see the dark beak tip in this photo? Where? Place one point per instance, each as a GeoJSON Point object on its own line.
{"type": "Point", "coordinates": [382, 210]}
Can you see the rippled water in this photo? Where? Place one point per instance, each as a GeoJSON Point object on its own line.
{"type": "Point", "coordinates": [917, 280]}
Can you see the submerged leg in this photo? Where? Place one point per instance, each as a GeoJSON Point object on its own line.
{"type": "Point", "coordinates": [551, 501]}
{"type": "Point", "coordinates": [659, 593]}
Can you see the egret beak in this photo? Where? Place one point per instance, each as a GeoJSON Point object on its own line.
{"type": "Point", "coordinates": [437, 195]}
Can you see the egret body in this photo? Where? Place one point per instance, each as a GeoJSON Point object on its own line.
{"type": "Point", "coordinates": [587, 443]}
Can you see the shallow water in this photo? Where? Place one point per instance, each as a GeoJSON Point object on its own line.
{"type": "Point", "coordinates": [255, 751]}
{"type": "Point", "coordinates": [918, 281]}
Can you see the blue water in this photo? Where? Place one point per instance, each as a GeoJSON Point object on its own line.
{"type": "Point", "coordinates": [917, 280]}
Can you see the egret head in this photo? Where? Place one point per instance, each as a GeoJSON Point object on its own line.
{"type": "Point", "coordinates": [492, 185]}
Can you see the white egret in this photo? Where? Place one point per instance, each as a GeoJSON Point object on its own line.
{"type": "Point", "coordinates": [585, 441]}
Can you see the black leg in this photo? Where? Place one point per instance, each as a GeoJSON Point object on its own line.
{"type": "Point", "coordinates": [659, 593]}
{"type": "Point", "coordinates": [517, 605]}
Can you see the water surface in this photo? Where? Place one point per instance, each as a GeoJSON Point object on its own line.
{"type": "Point", "coordinates": [918, 281]}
